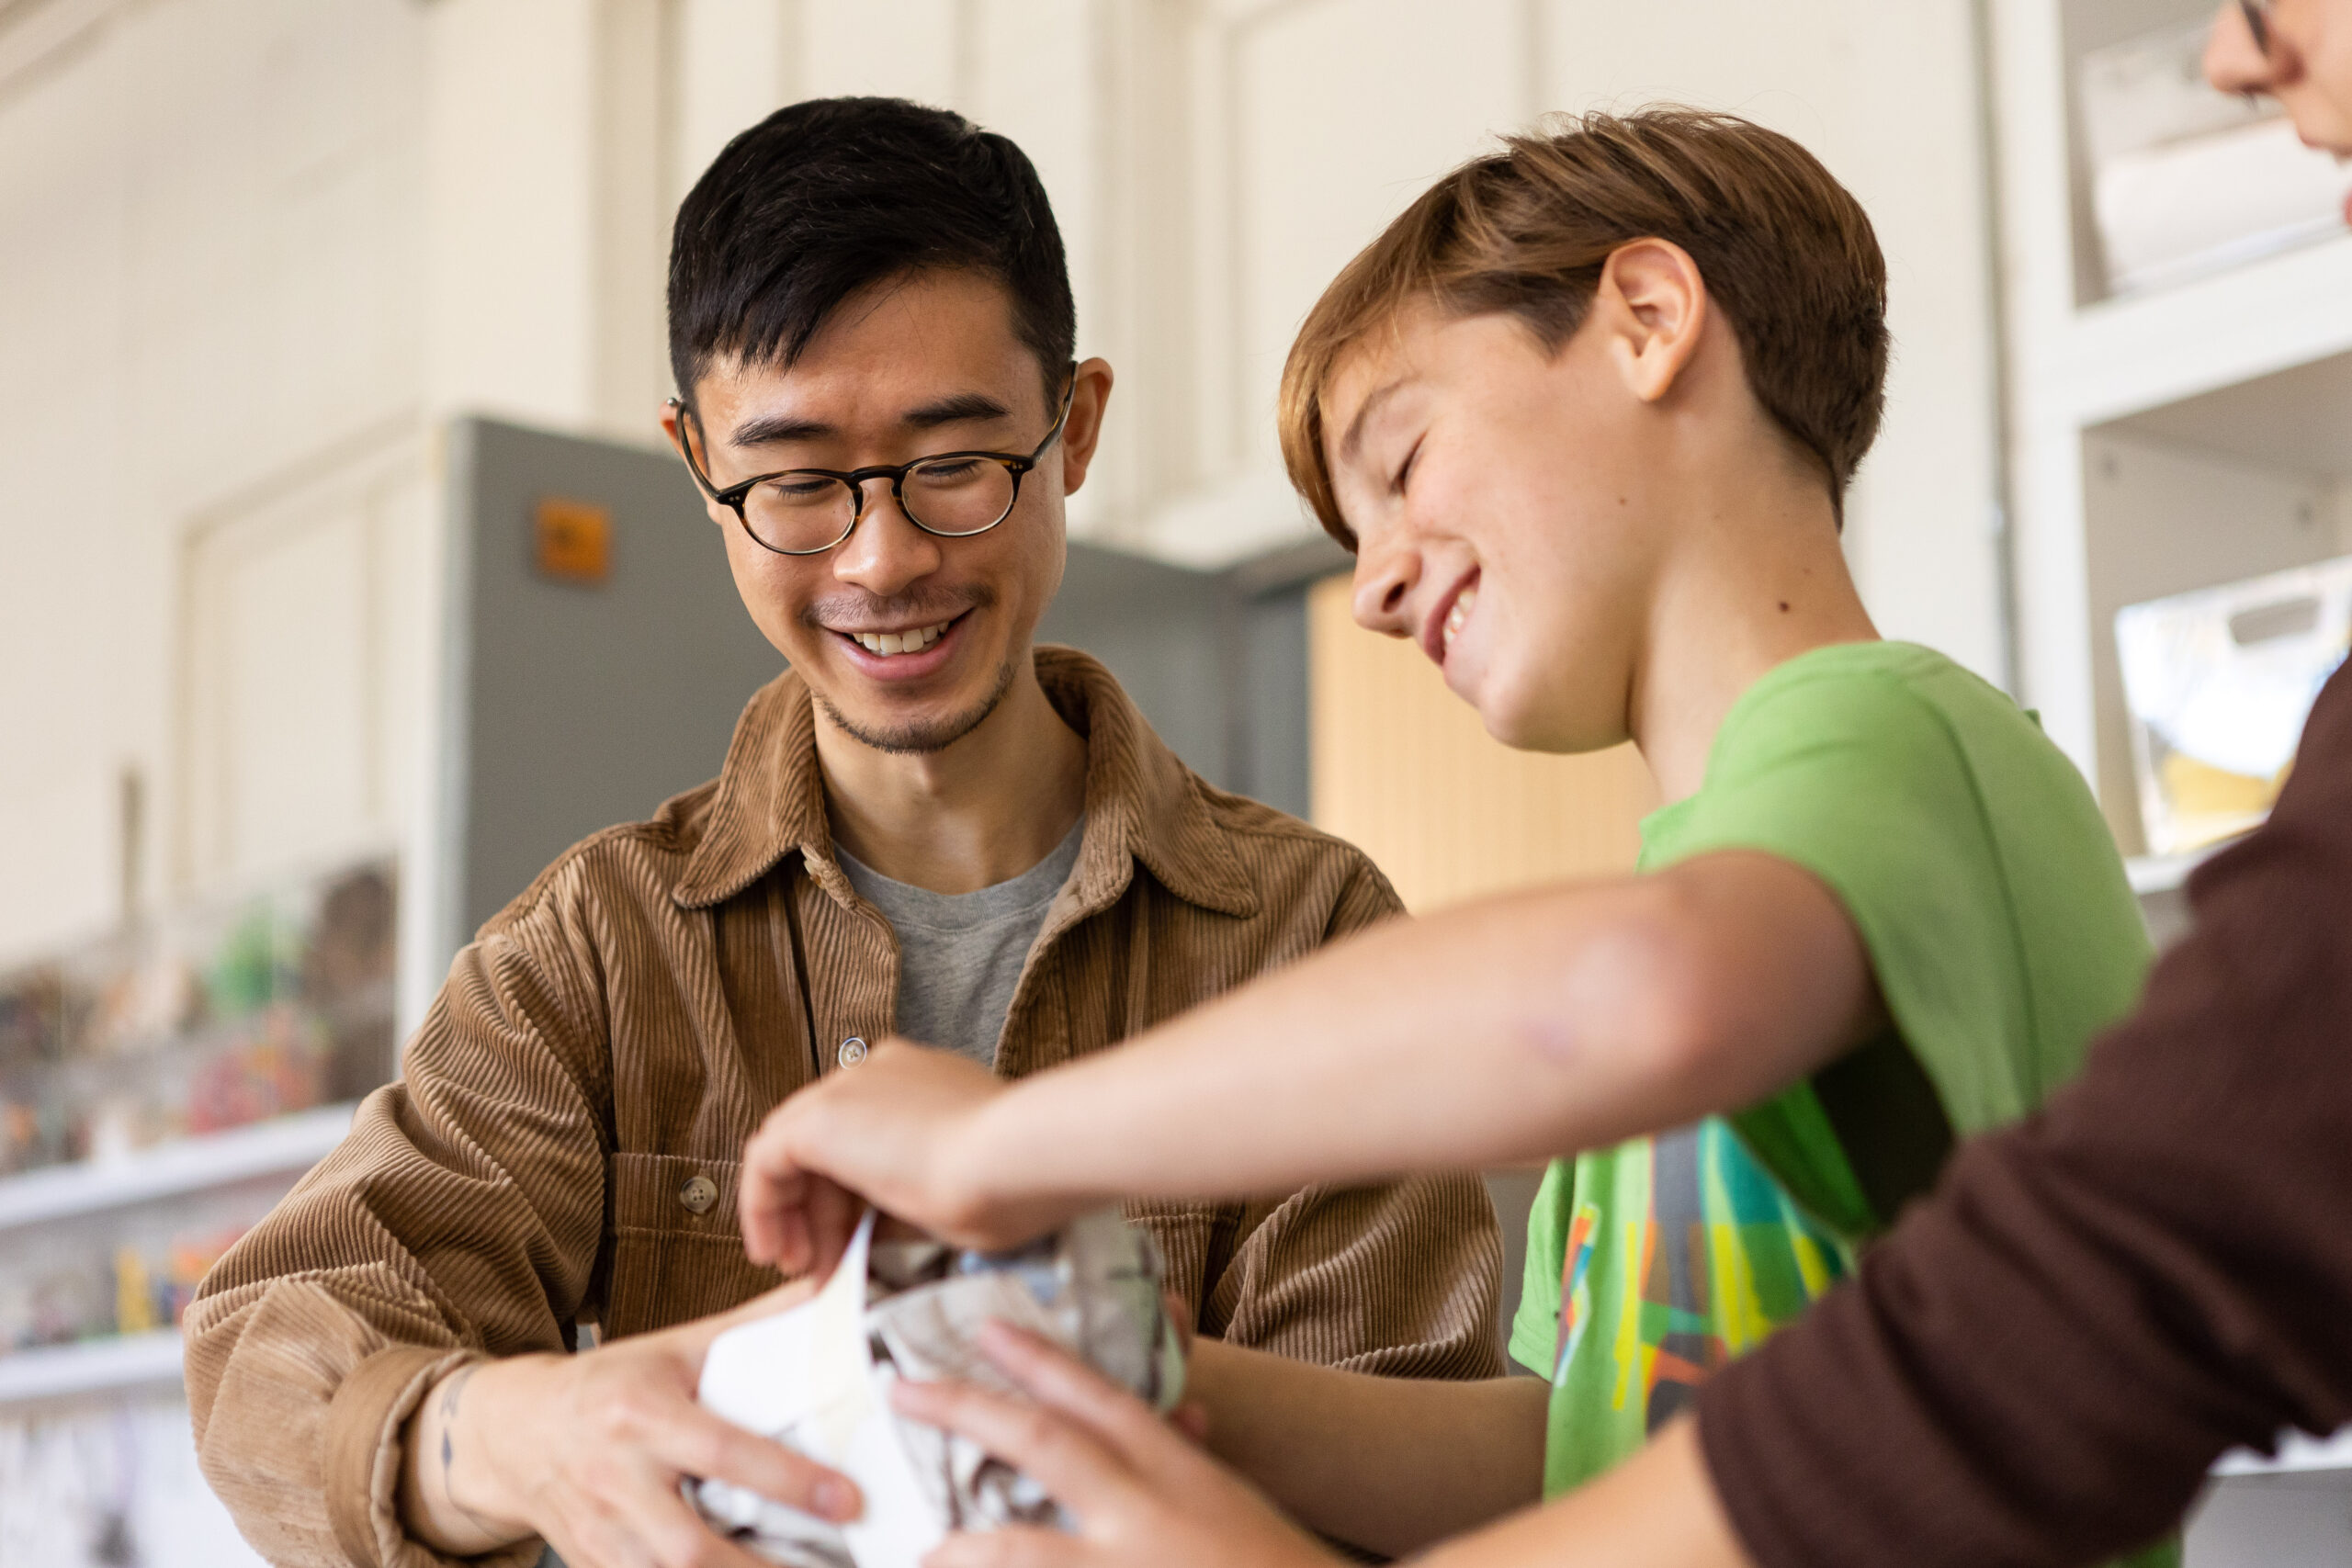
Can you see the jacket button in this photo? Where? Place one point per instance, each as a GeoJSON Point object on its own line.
{"type": "Point", "coordinates": [852, 1053]}
{"type": "Point", "coordinates": [698, 1195]}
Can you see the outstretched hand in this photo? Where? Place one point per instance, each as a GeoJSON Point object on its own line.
{"type": "Point", "coordinates": [1141, 1494]}
{"type": "Point", "coordinates": [900, 1131]}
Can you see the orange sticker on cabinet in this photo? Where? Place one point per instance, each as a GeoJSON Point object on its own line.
{"type": "Point", "coordinates": [573, 541]}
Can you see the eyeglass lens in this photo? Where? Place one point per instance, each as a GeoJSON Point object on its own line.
{"type": "Point", "coordinates": [811, 511]}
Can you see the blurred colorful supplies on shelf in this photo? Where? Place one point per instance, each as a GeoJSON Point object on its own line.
{"type": "Point", "coordinates": [2218, 683]}
{"type": "Point", "coordinates": [150, 1293]}
{"type": "Point", "coordinates": [204, 1021]}
{"type": "Point", "coordinates": [198, 1022]}
{"type": "Point", "coordinates": [63, 1296]}
{"type": "Point", "coordinates": [2185, 179]}
{"type": "Point", "coordinates": [816, 1380]}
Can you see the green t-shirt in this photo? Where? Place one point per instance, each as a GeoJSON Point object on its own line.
{"type": "Point", "coordinates": [1972, 859]}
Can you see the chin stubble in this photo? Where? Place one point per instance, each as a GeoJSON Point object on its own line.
{"type": "Point", "coordinates": [922, 737]}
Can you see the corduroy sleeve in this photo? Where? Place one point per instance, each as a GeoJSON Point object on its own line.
{"type": "Point", "coordinates": [2041, 1364]}
{"type": "Point", "coordinates": [1402, 1279]}
{"type": "Point", "coordinates": [460, 1218]}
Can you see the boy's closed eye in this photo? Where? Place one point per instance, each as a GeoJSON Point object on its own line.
{"type": "Point", "coordinates": [1405, 469]}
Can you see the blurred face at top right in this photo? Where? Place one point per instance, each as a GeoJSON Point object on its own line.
{"type": "Point", "coordinates": [2299, 52]}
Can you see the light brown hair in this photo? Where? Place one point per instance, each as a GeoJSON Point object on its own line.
{"type": "Point", "coordinates": [1786, 252]}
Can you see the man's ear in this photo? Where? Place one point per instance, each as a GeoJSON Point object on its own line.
{"type": "Point", "coordinates": [1090, 394]}
{"type": "Point", "coordinates": [1654, 304]}
{"type": "Point", "coordinates": [671, 428]}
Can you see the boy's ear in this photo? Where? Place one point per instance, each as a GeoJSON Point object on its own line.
{"type": "Point", "coordinates": [1655, 305]}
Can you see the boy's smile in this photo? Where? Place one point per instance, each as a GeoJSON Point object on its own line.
{"type": "Point", "coordinates": [1449, 617]}
{"type": "Point", "coordinates": [1460, 460]}
{"type": "Point", "coordinates": [1574, 535]}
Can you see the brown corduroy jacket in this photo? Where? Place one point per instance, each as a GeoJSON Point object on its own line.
{"type": "Point", "coordinates": [562, 1149]}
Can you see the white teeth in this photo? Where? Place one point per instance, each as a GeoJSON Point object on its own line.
{"type": "Point", "coordinates": [900, 642]}
{"type": "Point", "coordinates": [1460, 614]}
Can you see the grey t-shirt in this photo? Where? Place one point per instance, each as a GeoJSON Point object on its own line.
{"type": "Point", "coordinates": [960, 954]}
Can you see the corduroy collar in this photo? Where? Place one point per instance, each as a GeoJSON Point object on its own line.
{"type": "Point", "coordinates": [1142, 803]}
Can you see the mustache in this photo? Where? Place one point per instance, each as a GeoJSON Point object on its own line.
{"type": "Point", "coordinates": [921, 608]}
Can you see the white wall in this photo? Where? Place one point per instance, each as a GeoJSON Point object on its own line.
{"type": "Point", "coordinates": [1214, 163]}
{"type": "Point", "coordinates": [1885, 96]}
{"type": "Point", "coordinates": [207, 283]}
{"type": "Point", "coordinates": [250, 250]}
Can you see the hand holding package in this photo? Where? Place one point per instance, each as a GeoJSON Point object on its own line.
{"type": "Point", "coordinates": [816, 1379]}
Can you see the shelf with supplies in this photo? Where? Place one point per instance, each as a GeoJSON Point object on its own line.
{"type": "Point", "coordinates": [162, 1087]}
{"type": "Point", "coordinates": [2178, 329]}
{"type": "Point", "coordinates": [114, 1365]}
{"type": "Point", "coordinates": [283, 1145]}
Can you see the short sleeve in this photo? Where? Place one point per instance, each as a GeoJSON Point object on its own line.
{"type": "Point", "coordinates": [1535, 1328]}
{"type": "Point", "coordinates": [1860, 780]}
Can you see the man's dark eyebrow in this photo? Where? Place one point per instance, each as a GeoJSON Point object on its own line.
{"type": "Point", "coordinates": [1355, 437]}
{"type": "Point", "coordinates": [956, 408]}
{"type": "Point", "coordinates": [773, 428]}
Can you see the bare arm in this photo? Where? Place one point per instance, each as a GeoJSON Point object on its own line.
{"type": "Point", "coordinates": [1388, 1463]}
{"type": "Point", "coordinates": [1145, 1498]}
{"type": "Point", "coordinates": [1656, 1510]}
{"type": "Point", "coordinates": [1513, 1029]}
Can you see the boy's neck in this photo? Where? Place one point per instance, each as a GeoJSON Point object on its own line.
{"type": "Point", "coordinates": [978, 812]}
{"type": "Point", "coordinates": [1761, 579]}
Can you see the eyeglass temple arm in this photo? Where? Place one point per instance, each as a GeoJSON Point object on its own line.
{"type": "Point", "coordinates": [686, 449]}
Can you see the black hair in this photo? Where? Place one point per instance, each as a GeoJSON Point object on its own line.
{"type": "Point", "coordinates": [824, 198]}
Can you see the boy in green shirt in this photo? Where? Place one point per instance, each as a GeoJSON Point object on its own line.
{"type": "Point", "coordinates": [1587, 413]}
{"type": "Point", "coordinates": [2001, 935]}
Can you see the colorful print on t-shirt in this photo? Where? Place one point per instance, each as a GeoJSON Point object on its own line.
{"type": "Point", "coordinates": [1708, 1256]}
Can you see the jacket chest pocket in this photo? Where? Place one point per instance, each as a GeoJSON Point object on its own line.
{"type": "Point", "coordinates": [677, 1252]}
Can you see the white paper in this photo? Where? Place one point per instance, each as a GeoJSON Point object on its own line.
{"type": "Point", "coordinates": [816, 1378]}
{"type": "Point", "coordinates": [804, 1379]}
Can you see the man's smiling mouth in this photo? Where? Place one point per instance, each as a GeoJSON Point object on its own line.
{"type": "Point", "coordinates": [898, 642]}
{"type": "Point", "coordinates": [912, 641]}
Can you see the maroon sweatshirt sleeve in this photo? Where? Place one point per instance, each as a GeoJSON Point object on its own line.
{"type": "Point", "coordinates": [2040, 1363]}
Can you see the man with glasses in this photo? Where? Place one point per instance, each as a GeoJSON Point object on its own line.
{"type": "Point", "coordinates": [927, 827]}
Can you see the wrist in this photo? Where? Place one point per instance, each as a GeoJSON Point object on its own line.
{"type": "Point", "coordinates": [477, 1443]}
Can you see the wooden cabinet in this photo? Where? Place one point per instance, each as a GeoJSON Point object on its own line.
{"type": "Point", "coordinates": [1402, 767]}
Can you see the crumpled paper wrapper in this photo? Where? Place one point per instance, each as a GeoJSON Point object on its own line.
{"type": "Point", "coordinates": [816, 1379]}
